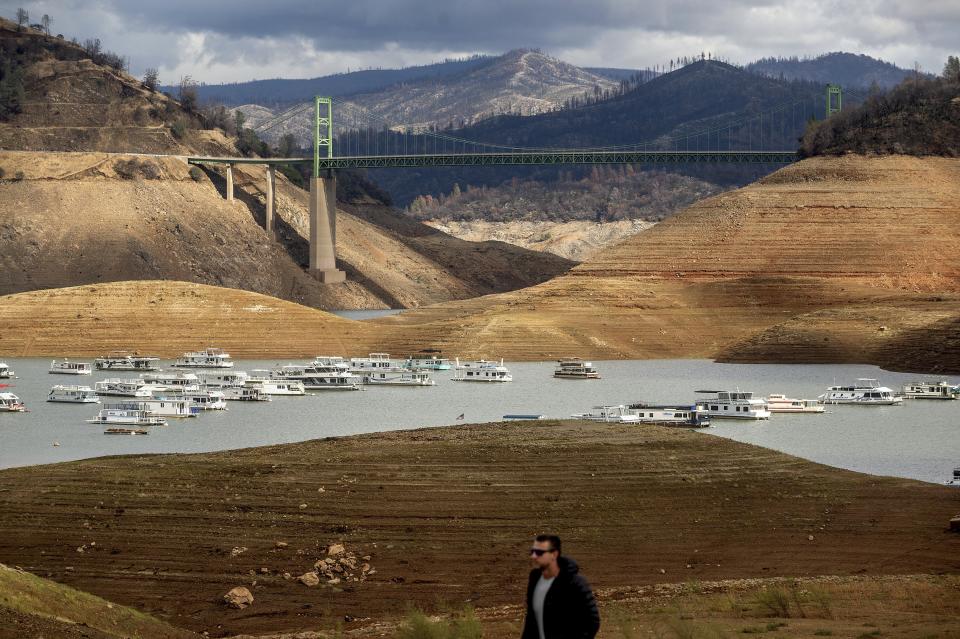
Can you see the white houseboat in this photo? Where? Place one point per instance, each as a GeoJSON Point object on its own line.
{"type": "Point", "coordinates": [481, 371]}
{"type": "Point", "coordinates": [177, 381]}
{"type": "Point", "coordinates": [955, 480]}
{"type": "Point", "coordinates": [205, 399]}
{"type": "Point", "coordinates": [735, 405]}
{"type": "Point", "coordinates": [425, 362]}
{"type": "Point", "coordinates": [244, 394]}
{"type": "Point", "coordinates": [5, 372]}
{"type": "Point", "coordinates": [261, 379]}
{"type": "Point", "coordinates": [162, 405]}
{"type": "Point", "coordinates": [375, 362]}
{"type": "Point", "coordinates": [123, 388]}
{"type": "Point", "coordinates": [72, 395]}
{"type": "Point", "coordinates": [221, 379]}
{"type": "Point", "coordinates": [619, 414]}
{"type": "Point", "coordinates": [866, 392]}
{"type": "Point", "coordinates": [397, 377]}
{"type": "Point", "coordinates": [207, 358]}
{"type": "Point", "coordinates": [575, 368]}
{"type": "Point", "coordinates": [123, 361]}
{"type": "Point", "coordinates": [121, 416]}
{"type": "Point", "coordinates": [778, 403]}
{"type": "Point", "coordinates": [691, 416]}
{"type": "Point", "coordinates": [10, 403]}
{"type": "Point", "coordinates": [319, 376]}
{"type": "Point", "coordinates": [931, 390]}
{"type": "Point", "coordinates": [66, 367]}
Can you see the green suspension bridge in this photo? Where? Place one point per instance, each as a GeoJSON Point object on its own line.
{"type": "Point", "coordinates": [367, 141]}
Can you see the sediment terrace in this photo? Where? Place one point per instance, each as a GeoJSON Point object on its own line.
{"type": "Point", "coordinates": [446, 515]}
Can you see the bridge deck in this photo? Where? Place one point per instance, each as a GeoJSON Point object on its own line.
{"type": "Point", "coordinates": [527, 157]}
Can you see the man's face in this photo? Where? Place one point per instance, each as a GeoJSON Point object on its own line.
{"type": "Point", "coordinates": [542, 554]}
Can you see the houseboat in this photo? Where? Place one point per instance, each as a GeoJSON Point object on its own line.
{"type": "Point", "coordinates": [176, 381]}
{"type": "Point", "coordinates": [319, 377]}
{"type": "Point", "coordinates": [619, 414]}
{"type": "Point", "coordinates": [481, 371]}
{"type": "Point", "coordinates": [866, 392]}
{"type": "Point", "coordinates": [161, 405]}
{"type": "Point", "coordinates": [126, 417]}
{"type": "Point", "coordinates": [735, 405]}
{"type": "Point", "coordinates": [10, 403]}
{"type": "Point", "coordinates": [575, 368]}
{"type": "Point", "coordinates": [123, 388]}
{"type": "Point", "coordinates": [244, 394]}
{"type": "Point", "coordinates": [778, 403]}
{"type": "Point", "coordinates": [207, 358]}
{"type": "Point", "coordinates": [203, 399]}
{"type": "Point", "coordinates": [123, 361]}
{"type": "Point", "coordinates": [955, 480]}
{"type": "Point", "coordinates": [690, 416]}
{"type": "Point", "coordinates": [261, 379]}
{"type": "Point", "coordinates": [397, 377]}
{"type": "Point", "coordinates": [375, 362]}
{"type": "Point", "coordinates": [73, 395]}
{"type": "Point", "coordinates": [221, 379]}
{"type": "Point", "coordinates": [425, 362]}
{"type": "Point", "coordinates": [931, 390]}
{"type": "Point", "coordinates": [5, 372]}
{"type": "Point", "coordinates": [66, 367]}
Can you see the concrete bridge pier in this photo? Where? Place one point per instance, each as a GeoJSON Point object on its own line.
{"type": "Point", "coordinates": [323, 230]}
{"type": "Point", "coordinates": [271, 200]}
{"type": "Point", "coordinates": [229, 183]}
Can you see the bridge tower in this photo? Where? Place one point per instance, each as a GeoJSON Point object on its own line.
{"type": "Point", "coordinates": [323, 200]}
{"type": "Point", "coordinates": [834, 106]}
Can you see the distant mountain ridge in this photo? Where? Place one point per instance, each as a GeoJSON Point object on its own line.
{"type": "Point", "coordinates": [521, 82]}
{"type": "Point", "coordinates": [280, 92]}
{"type": "Point", "coordinates": [846, 69]}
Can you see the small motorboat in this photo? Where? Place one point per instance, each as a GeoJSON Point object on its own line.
{"type": "Point", "coordinates": [126, 431]}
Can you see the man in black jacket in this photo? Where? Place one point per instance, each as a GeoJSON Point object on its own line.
{"type": "Point", "coordinates": [560, 603]}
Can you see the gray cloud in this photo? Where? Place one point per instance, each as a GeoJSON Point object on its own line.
{"type": "Point", "coordinates": [216, 40]}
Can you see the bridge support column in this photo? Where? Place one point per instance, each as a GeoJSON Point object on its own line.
{"type": "Point", "coordinates": [229, 183]}
{"type": "Point", "coordinates": [271, 200]}
{"type": "Point", "coordinates": [323, 230]}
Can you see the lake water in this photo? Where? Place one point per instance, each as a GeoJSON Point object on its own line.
{"type": "Point", "coordinates": [920, 439]}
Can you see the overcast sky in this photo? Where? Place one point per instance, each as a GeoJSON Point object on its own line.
{"type": "Point", "coordinates": [218, 41]}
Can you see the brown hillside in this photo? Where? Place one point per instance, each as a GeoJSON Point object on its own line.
{"type": "Point", "coordinates": [141, 217]}
{"type": "Point", "coordinates": [77, 218]}
{"type": "Point", "coordinates": [169, 318]}
{"type": "Point", "coordinates": [445, 515]}
{"type": "Point", "coordinates": [856, 286]}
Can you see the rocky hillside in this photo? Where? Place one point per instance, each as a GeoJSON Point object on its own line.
{"type": "Point", "coordinates": [141, 217]}
{"type": "Point", "coordinates": [521, 82]}
{"type": "Point", "coordinates": [91, 217]}
{"type": "Point", "coordinates": [70, 102]}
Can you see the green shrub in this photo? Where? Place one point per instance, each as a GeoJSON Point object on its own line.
{"type": "Point", "coordinates": [18, 176]}
{"type": "Point", "coordinates": [179, 128]}
{"type": "Point", "coordinates": [2, 173]}
{"type": "Point", "coordinates": [197, 173]}
{"type": "Point", "coordinates": [775, 600]}
{"type": "Point", "coordinates": [823, 632]}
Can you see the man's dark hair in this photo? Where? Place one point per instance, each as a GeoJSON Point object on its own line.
{"type": "Point", "coordinates": [553, 539]}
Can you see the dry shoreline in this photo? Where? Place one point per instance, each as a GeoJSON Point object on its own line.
{"type": "Point", "coordinates": [444, 515]}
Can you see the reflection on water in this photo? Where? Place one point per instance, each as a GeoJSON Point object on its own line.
{"type": "Point", "coordinates": [920, 439]}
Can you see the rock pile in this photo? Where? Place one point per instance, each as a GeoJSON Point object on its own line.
{"type": "Point", "coordinates": [340, 565]}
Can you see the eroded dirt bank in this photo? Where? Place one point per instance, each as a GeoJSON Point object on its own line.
{"type": "Point", "coordinates": [445, 515]}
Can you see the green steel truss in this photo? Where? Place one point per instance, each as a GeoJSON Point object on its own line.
{"type": "Point", "coordinates": [322, 131]}
{"type": "Point", "coordinates": [507, 159]}
{"type": "Point", "coordinates": [834, 105]}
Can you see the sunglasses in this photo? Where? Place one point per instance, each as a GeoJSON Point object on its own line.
{"type": "Point", "coordinates": [540, 551]}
